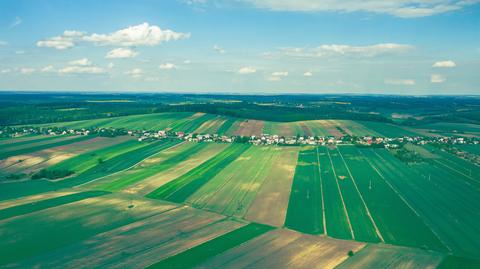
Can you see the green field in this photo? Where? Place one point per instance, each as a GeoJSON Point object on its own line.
{"type": "Point", "coordinates": [305, 207]}
{"type": "Point", "coordinates": [199, 254]}
{"type": "Point", "coordinates": [43, 144]}
{"type": "Point", "coordinates": [181, 188]}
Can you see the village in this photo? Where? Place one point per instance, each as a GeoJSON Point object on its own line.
{"type": "Point", "coordinates": [264, 139]}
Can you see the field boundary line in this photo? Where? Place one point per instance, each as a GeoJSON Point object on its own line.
{"type": "Point", "coordinates": [321, 193]}
{"type": "Point", "coordinates": [406, 202]}
{"type": "Point", "coordinates": [128, 168]}
{"type": "Point", "coordinates": [341, 195]}
{"type": "Point", "coordinates": [361, 198]}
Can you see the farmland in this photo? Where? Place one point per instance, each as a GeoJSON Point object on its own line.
{"type": "Point", "coordinates": [169, 199]}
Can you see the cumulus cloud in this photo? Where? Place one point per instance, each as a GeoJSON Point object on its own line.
{"type": "Point", "coordinates": [59, 42]}
{"type": "Point", "coordinates": [444, 64]}
{"type": "Point", "coordinates": [405, 82]}
{"type": "Point", "coordinates": [81, 62]}
{"type": "Point", "coordinates": [218, 49]}
{"type": "Point", "coordinates": [336, 50]}
{"type": "Point", "coordinates": [436, 78]}
{"type": "Point", "coordinates": [398, 8]}
{"type": "Point", "coordinates": [137, 35]}
{"type": "Point", "coordinates": [111, 65]}
{"type": "Point", "coordinates": [46, 69]}
{"type": "Point", "coordinates": [121, 53]}
{"type": "Point", "coordinates": [277, 75]}
{"type": "Point", "coordinates": [308, 74]}
{"type": "Point", "coordinates": [135, 73]}
{"type": "Point", "coordinates": [246, 70]}
{"type": "Point", "coordinates": [27, 70]}
{"type": "Point", "coordinates": [167, 66]}
{"type": "Point", "coordinates": [82, 70]}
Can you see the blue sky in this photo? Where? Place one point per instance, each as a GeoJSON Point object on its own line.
{"type": "Point", "coordinates": [242, 46]}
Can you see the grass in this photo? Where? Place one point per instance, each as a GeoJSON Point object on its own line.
{"type": "Point", "coordinates": [181, 188]}
{"type": "Point", "coordinates": [36, 147]}
{"type": "Point", "coordinates": [48, 203]}
{"type": "Point", "coordinates": [304, 211]}
{"type": "Point", "coordinates": [198, 254]}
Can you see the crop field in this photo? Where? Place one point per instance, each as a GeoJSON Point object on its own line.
{"type": "Point", "coordinates": [453, 128]}
{"type": "Point", "coordinates": [211, 126]}
{"type": "Point", "coordinates": [474, 149]}
{"type": "Point", "coordinates": [374, 256]}
{"type": "Point", "coordinates": [428, 189]}
{"type": "Point", "coordinates": [249, 128]}
{"type": "Point", "coordinates": [285, 249]}
{"type": "Point", "coordinates": [32, 162]}
{"type": "Point", "coordinates": [158, 204]}
{"type": "Point", "coordinates": [388, 129]}
{"type": "Point", "coordinates": [271, 202]}
{"type": "Point", "coordinates": [181, 188]}
{"type": "Point", "coordinates": [232, 205]}
{"type": "Point", "coordinates": [180, 168]}
{"type": "Point", "coordinates": [158, 121]}
{"type": "Point", "coordinates": [26, 148]}
{"type": "Point", "coordinates": [231, 191]}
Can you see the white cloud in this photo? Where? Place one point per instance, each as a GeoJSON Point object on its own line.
{"type": "Point", "coordinates": [5, 71]}
{"type": "Point", "coordinates": [398, 8]}
{"type": "Point", "coordinates": [167, 66]}
{"type": "Point", "coordinates": [444, 64]}
{"type": "Point", "coordinates": [336, 50]}
{"type": "Point", "coordinates": [46, 69]}
{"type": "Point", "coordinates": [277, 76]}
{"type": "Point", "coordinates": [218, 49]}
{"type": "Point", "coordinates": [62, 42]}
{"type": "Point", "coordinates": [308, 74]}
{"type": "Point", "coordinates": [121, 53]}
{"type": "Point", "coordinates": [3, 43]}
{"type": "Point", "coordinates": [27, 70]}
{"type": "Point", "coordinates": [138, 35]}
{"type": "Point", "coordinates": [19, 52]}
{"type": "Point", "coordinates": [436, 78]}
{"type": "Point", "coordinates": [280, 74]}
{"type": "Point", "coordinates": [135, 73]}
{"type": "Point", "coordinates": [247, 70]}
{"type": "Point", "coordinates": [187, 62]}
{"type": "Point", "coordinates": [111, 65]}
{"type": "Point", "coordinates": [81, 62]}
{"type": "Point", "coordinates": [82, 70]}
{"type": "Point", "coordinates": [405, 82]}
{"type": "Point", "coordinates": [16, 22]}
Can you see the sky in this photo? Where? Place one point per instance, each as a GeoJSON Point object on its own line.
{"type": "Point", "coordinates": [419, 47]}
